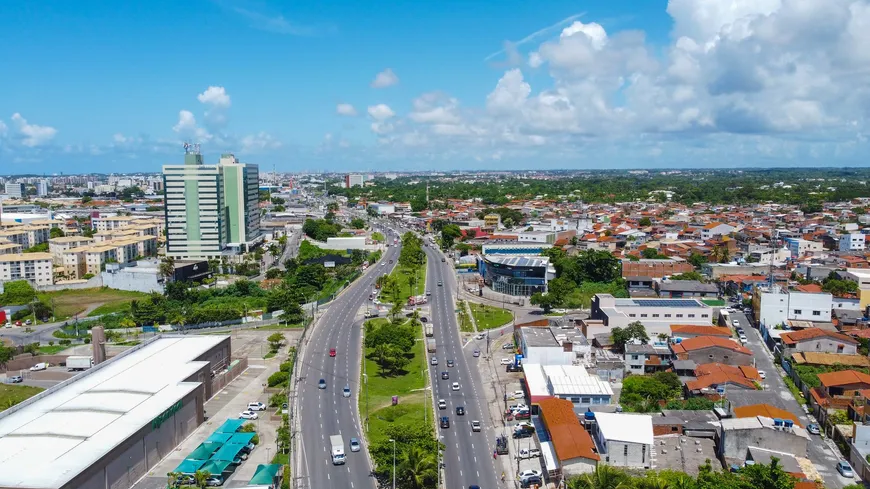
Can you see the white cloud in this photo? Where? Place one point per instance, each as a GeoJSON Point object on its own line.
{"type": "Point", "coordinates": [435, 108]}
{"type": "Point", "coordinates": [32, 135]}
{"type": "Point", "coordinates": [385, 79]}
{"type": "Point", "coordinates": [187, 127]}
{"type": "Point", "coordinates": [259, 142]}
{"type": "Point", "coordinates": [215, 96]}
{"type": "Point", "coordinates": [345, 110]}
{"type": "Point", "coordinates": [3, 129]}
{"type": "Point", "coordinates": [380, 112]}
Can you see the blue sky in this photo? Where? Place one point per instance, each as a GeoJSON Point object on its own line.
{"type": "Point", "coordinates": [101, 86]}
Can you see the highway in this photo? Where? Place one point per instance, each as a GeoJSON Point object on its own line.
{"type": "Point", "coordinates": [467, 455]}
{"type": "Point", "coordinates": [325, 412]}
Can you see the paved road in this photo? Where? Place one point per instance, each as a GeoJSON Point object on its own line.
{"type": "Point", "coordinates": [325, 412]}
{"type": "Point", "coordinates": [468, 456]}
{"type": "Point", "coordinates": [777, 394]}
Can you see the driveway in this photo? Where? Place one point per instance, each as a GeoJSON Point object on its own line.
{"type": "Point", "coordinates": [777, 394]}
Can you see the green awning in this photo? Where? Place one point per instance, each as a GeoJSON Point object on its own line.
{"type": "Point", "coordinates": [188, 466]}
{"type": "Point", "coordinates": [265, 474]}
{"type": "Point", "coordinates": [215, 467]}
{"type": "Point", "coordinates": [227, 452]}
{"type": "Point", "coordinates": [230, 426]}
{"type": "Point", "coordinates": [219, 437]}
{"type": "Point", "coordinates": [241, 438]}
{"type": "Point", "coordinates": [205, 450]}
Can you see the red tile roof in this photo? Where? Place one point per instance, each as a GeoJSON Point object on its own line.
{"type": "Point", "coordinates": [811, 288]}
{"type": "Point", "coordinates": [570, 439]}
{"type": "Point", "coordinates": [844, 377]}
{"type": "Point", "coordinates": [710, 374]}
{"type": "Point", "coordinates": [765, 410]}
{"type": "Point", "coordinates": [795, 337]}
{"type": "Point", "coordinates": [701, 342]}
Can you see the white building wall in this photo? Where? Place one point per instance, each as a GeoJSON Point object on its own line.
{"type": "Point", "coordinates": [852, 242]}
{"type": "Point", "coordinates": [625, 454]}
{"type": "Point", "coordinates": [547, 355]}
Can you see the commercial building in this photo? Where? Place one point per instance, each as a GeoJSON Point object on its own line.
{"type": "Point", "coordinates": [209, 207]}
{"type": "Point", "coordinates": [33, 267]}
{"type": "Point", "coordinates": [515, 275]}
{"type": "Point", "coordinates": [15, 190]}
{"type": "Point", "coordinates": [551, 345]}
{"type": "Point", "coordinates": [352, 180]}
{"type": "Point", "coordinates": [624, 440]}
{"type": "Point", "coordinates": [42, 188]}
{"type": "Point", "coordinates": [676, 289]}
{"type": "Point", "coordinates": [852, 242]}
{"type": "Point", "coordinates": [657, 315]}
{"type": "Point", "coordinates": [739, 434]}
{"type": "Point", "coordinates": [799, 247]}
{"type": "Point", "coordinates": [382, 209]}
{"type": "Point", "coordinates": [569, 382]}
{"type": "Point", "coordinates": [107, 427]}
{"type": "Point", "coordinates": [570, 442]}
{"type": "Point", "coordinates": [777, 306]}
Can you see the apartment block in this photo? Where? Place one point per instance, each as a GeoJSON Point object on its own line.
{"type": "Point", "coordinates": [852, 242]}
{"type": "Point", "coordinates": [778, 306]}
{"type": "Point", "coordinates": [92, 259]}
{"type": "Point", "coordinates": [7, 247]}
{"type": "Point", "coordinates": [33, 267]}
{"type": "Point", "coordinates": [58, 246]}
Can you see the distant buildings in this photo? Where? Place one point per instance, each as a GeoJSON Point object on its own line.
{"type": "Point", "coordinates": [15, 190]}
{"type": "Point", "coordinates": [210, 207]}
{"type": "Point", "coordinates": [42, 188]}
{"type": "Point", "coordinates": [852, 242]}
{"type": "Point", "coordinates": [33, 267]}
{"type": "Point", "coordinates": [352, 180]}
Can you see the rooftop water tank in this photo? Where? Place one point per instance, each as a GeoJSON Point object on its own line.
{"type": "Point", "coordinates": [788, 423]}
{"type": "Point", "coordinates": [777, 422]}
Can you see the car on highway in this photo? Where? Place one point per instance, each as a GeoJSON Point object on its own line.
{"type": "Point", "coordinates": [442, 404]}
{"type": "Point", "coordinates": [475, 426]}
{"type": "Point", "coordinates": [346, 391]}
{"type": "Point", "coordinates": [445, 422]}
{"type": "Point", "coordinates": [449, 363]}
{"type": "Point", "coordinates": [256, 406]}
{"type": "Point", "coordinates": [845, 469]}
{"type": "Point", "coordinates": [813, 429]}
{"type": "Point", "coordinates": [321, 384]}
{"type": "Point", "coordinates": [248, 415]}
{"type": "Point", "coordinates": [16, 379]}
{"type": "Point", "coordinates": [476, 352]}
{"type": "Point", "coordinates": [332, 352]}
{"type": "Point", "coordinates": [428, 292]}
{"type": "Point", "coordinates": [455, 386]}
{"type": "Point", "coordinates": [506, 361]}
{"type": "Point", "coordinates": [460, 410]}
{"type": "Point", "coordinates": [762, 374]}
{"type": "Point", "coordinates": [440, 283]}
{"type": "Point", "coordinates": [442, 259]}
{"type": "Point", "coordinates": [354, 445]}
{"type": "Point", "coordinates": [735, 322]}
{"type": "Point", "coordinates": [445, 375]}
{"type": "Point", "coordinates": [434, 361]}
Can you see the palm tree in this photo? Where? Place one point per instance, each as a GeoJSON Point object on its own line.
{"type": "Point", "coordinates": [603, 477]}
{"type": "Point", "coordinates": [417, 468]}
{"type": "Point", "coordinates": [200, 477]}
{"type": "Point", "coordinates": [173, 479]}
{"type": "Point", "coordinates": [167, 267]}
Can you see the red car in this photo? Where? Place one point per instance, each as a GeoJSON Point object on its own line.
{"type": "Point", "coordinates": [332, 352]}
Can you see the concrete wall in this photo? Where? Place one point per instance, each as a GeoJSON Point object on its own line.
{"type": "Point", "coordinates": [93, 282]}
{"type": "Point", "coordinates": [734, 443]}
{"type": "Point", "coordinates": [577, 466]}
{"type": "Point", "coordinates": [624, 454]}
{"type": "Point", "coordinates": [126, 279]}
{"type": "Point", "coordinates": [719, 355]}
{"type": "Point", "coordinates": [825, 345]}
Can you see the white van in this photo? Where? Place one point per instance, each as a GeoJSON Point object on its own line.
{"type": "Point", "coordinates": [39, 366]}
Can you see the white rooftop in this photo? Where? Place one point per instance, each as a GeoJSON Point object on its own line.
{"type": "Point", "coordinates": [52, 438]}
{"type": "Point", "coordinates": [575, 380]}
{"type": "Point", "coordinates": [631, 428]}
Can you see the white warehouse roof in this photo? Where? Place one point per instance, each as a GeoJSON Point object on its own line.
{"type": "Point", "coordinates": [631, 428]}
{"type": "Point", "coordinates": [50, 439]}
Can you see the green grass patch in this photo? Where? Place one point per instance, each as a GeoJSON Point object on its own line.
{"type": "Point", "coordinates": [489, 317]}
{"type": "Point", "coordinates": [11, 395]}
{"type": "Point", "coordinates": [554, 314]}
{"type": "Point", "coordinates": [713, 302]}
{"type": "Point", "coordinates": [51, 349]}
{"type": "Point", "coordinates": [464, 320]}
{"type": "Point", "coordinates": [279, 327]}
{"type": "Point", "coordinates": [281, 458]}
{"type": "Point", "coordinates": [798, 395]}
{"type": "Point", "coordinates": [68, 303]}
{"type": "Point", "coordinates": [411, 280]}
{"type": "Point", "coordinates": [411, 409]}
{"type": "Point", "coordinates": [112, 308]}
{"type": "Point", "coordinates": [268, 355]}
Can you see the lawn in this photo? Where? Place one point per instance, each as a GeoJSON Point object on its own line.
{"type": "Point", "coordinates": [51, 349]}
{"type": "Point", "coordinates": [406, 278]}
{"type": "Point", "coordinates": [489, 317]}
{"type": "Point", "coordinates": [464, 321]}
{"type": "Point", "coordinates": [11, 395]}
{"type": "Point", "coordinates": [409, 387]}
{"type": "Point", "coordinates": [68, 303]}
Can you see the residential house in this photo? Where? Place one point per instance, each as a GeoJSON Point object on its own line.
{"type": "Point", "coordinates": [649, 358]}
{"type": "Point", "coordinates": [837, 390]}
{"type": "Point", "coordinates": [624, 440]}
{"type": "Point", "coordinates": [817, 340]}
{"type": "Point", "coordinates": [686, 331]}
{"type": "Point", "coordinates": [571, 443]}
{"type": "Point", "coordinates": [852, 242]}
{"type": "Point", "coordinates": [710, 377]}
{"type": "Point", "coordinates": [569, 382]}
{"type": "Point", "coordinates": [712, 349]}
{"type": "Point", "coordinates": [739, 434]}
{"type": "Point", "coordinates": [716, 229]}
{"type": "Point", "coordinates": [765, 410]}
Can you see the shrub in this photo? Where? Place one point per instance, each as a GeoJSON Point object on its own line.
{"type": "Point", "coordinates": [278, 378]}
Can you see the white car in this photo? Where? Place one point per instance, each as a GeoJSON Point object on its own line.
{"type": "Point", "coordinates": [39, 366]}
{"type": "Point", "coordinates": [346, 391]}
{"type": "Point", "coordinates": [475, 426]}
{"type": "Point", "coordinates": [256, 406]}
{"type": "Point", "coordinates": [529, 452]}
{"type": "Point", "coordinates": [735, 322]}
{"type": "Point", "coordinates": [442, 404]}
{"type": "Point", "coordinates": [518, 395]}
{"type": "Point", "coordinates": [434, 361]}
{"type": "Point", "coordinates": [480, 336]}
{"type": "Point", "coordinates": [743, 339]}
{"type": "Point", "coordinates": [529, 473]}
{"type": "Point", "coordinates": [762, 374]}
{"type": "Point", "coordinates": [455, 386]}
{"type": "Point", "coordinates": [248, 415]}
{"type": "Point", "coordinates": [506, 361]}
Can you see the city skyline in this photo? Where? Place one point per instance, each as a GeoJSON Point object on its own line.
{"type": "Point", "coordinates": [418, 87]}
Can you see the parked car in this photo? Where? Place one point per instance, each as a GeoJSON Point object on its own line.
{"type": "Point", "coordinates": [845, 469]}
{"type": "Point", "coordinates": [38, 367]}
{"type": "Point", "coordinates": [214, 481]}
{"type": "Point", "coordinates": [507, 346]}
{"type": "Point", "coordinates": [16, 379]}
{"type": "Point", "coordinates": [248, 415]}
{"type": "Point", "coordinates": [506, 361]}
{"type": "Point", "coordinates": [476, 353]}
{"type": "Point", "coordinates": [531, 481]}
{"type": "Point", "coordinates": [480, 336]}
{"type": "Point", "coordinates": [528, 473]}
{"type": "Point", "coordinates": [529, 452]}
{"type": "Point", "coordinates": [321, 384]}
{"type": "Point", "coordinates": [455, 386]}
{"type": "Point", "coordinates": [256, 406]}
{"type": "Point", "coordinates": [28, 322]}
{"type": "Point", "coordinates": [735, 322]}
{"type": "Point", "coordinates": [518, 395]}
{"type": "Point", "coordinates": [442, 259]}
{"type": "Point", "coordinates": [762, 374]}
{"type": "Point", "coordinates": [354, 445]}
{"type": "Point", "coordinates": [813, 429]}
{"type": "Point", "coordinates": [442, 404]}
{"type": "Point", "coordinates": [475, 426]}
{"type": "Point", "coordinates": [445, 422]}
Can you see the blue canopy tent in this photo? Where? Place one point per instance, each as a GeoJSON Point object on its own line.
{"type": "Point", "coordinates": [219, 437]}
{"type": "Point", "coordinates": [204, 450]}
{"type": "Point", "coordinates": [230, 426]}
{"type": "Point", "coordinates": [266, 475]}
{"type": "Point", "coordinates": [228, 452]}
{"type": "Point", "coordinates": [189, 467]}
{"type": "Point", "coordinates": [241, 438]}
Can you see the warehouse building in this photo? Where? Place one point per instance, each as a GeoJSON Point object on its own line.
{"type": "Point", "coordinates": [107, 427]}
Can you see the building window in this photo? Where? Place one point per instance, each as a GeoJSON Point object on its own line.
{"type": "Point", "coordinates": [679, 315]}
{"type": "Point", "coordinates": [691, 315]}
{"type": "Point", "coordinates": [631, 315]}
{"type": "Point", "coordinates": [667, 315]}
{"type": "Point", "coordinates": [675, 428]}
{"type": "Point", "coordinates": [575, 400]}
{"type": "Point", "coordinates": [817, 313]}
{"type": "Point", "coordinates": [643, 315]}
{"type": "Point", "coordinates": [625, 450]}
{"type": "Point", "coordinates": [587, 400]}
{"type": "Point", "coordinates": [634, 357]}
{"type": "Point", "coordinates": [705, 315]}
{"type": "Point", "coordinates": [797, 311]}
{"type": "Point", "coordinates": [655, 315]}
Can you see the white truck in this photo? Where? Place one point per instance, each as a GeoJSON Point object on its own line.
{"type": "Point", "coordinates": [74, 363]}
{"type": "Point", "coordinates": [337, 443]}
{"type": "Point", "coordinates": [430, 345]}
{"type": "Point", "coordinates": [430, 330]}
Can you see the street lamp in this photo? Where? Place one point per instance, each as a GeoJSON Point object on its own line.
{"type": "Point", "coordinates": [394, 462]}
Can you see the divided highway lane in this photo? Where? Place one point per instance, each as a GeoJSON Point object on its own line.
{"type": "Point", "coordinates": [467, 456]}
{"type": "Point", "coordinates": [326, 412]}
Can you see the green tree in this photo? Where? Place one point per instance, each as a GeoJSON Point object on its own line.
{"type": "Point", "coordinates": [418, 204]}
{"type": "Point", "coordinates": [590, 266]}
{"type": "Point", "coordinates": [449, 234]}
{"type": "Point", "coordinates": [697, 260]}
{"type": "Point", "coordinates": [275, 340]}
{"type": "Point", "coordinates": [688, 276]}
{"type": "Point", "coordinates": [18, 292]}
{"type": "Point", "coordinates": [632, 332]}
{"type": "Point", "coordinates": [56, 233]}
{"type": "Point", "coordinates": [650, 253]}
{"type": "Point", "coordinates": [644, 222]}
{"type": "Point", "coordinates": [358, 223]}
{"type": "Point", "coordinates": [200, 477]}
{"type": "Point", "coordinates": [417, 468]}
{"type": "Point", "coordinates": [378, 237]}
{"type": "Point", "coordinates": [603, 477]}
{"type": "Point", "coordinates": [767, 476]}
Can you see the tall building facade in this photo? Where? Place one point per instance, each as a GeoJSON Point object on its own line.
{"type": "Point", "coordinates": [352, 180]}
{"type": "Point", "coordinates": [42, 188]}
{"type": "Point", "coordinates": [15, 190]}
{"type": "Point", "coordinates": [210, 208]}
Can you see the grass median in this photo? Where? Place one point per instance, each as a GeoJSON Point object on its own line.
{"type": "Point", "coordinates": [490, 317]}
{"type": "Point", "coordinates": [413, 408]}
{"type": "Point", "coordinates": [411, 280]}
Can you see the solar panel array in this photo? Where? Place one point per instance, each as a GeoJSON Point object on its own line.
{"type": "Point", "coordinates": [667, 303]}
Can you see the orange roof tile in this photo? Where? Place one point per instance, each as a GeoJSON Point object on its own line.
{"type": "Point", "coordinates": [710, 374]}
{"type": "Point", "coordinates": [810, 288]}
{"type": "Point", "coordinates": [845, 377]}
{"type": "Point", "coordinates": [701, 342]}
{"type": "Point", "coordinates": [810, 333]}
{"type": "Point", "coordinates": [700, 330]}
{"type": "Point", "coordinates": [712, 225]}
{"type": "Point", "coordinates": [570, 439]}
{"type": "Point", "coordinates": [765, 410]}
